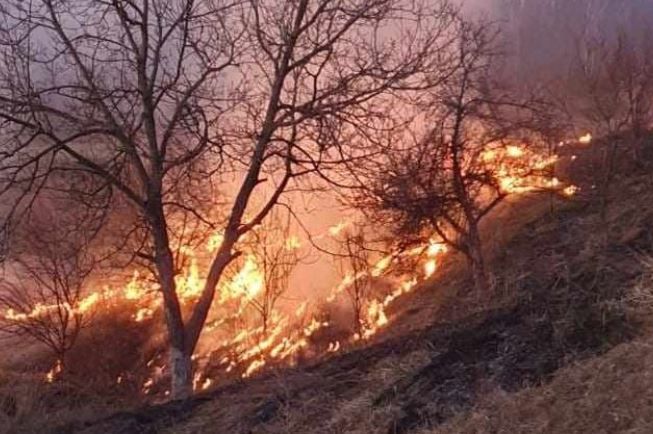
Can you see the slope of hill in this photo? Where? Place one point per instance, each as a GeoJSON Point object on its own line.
{"type": "Point", "coordinates": [562, 344]}
{"type": "Point", "coordinates": [608, 394]}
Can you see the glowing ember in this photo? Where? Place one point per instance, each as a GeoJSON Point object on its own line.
{"type": "Point", "coordinates": [430, 267]}
{"type": "Point", "coordinates": [206, 384]}
{"type": "Point", "coordinates": [553, 183]}
{"type": "Point", "coordinates": [54, 372]}
{"type": "Point", "coordinates": [253, 367]}
{"type": "Point", "coordinates": [333, 347]}
{"type": "Point", "coordinates": [198, 384]}
{"type": "Point", "coordinates": [586, 139]}
{"type": "Point", "coordinates": [148, 385]}
{"type": "Point", "coordinates": [143, 314]}
{"type": "Point", "coordinates": [571, 190]}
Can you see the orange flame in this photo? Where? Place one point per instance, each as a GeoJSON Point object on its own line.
{"type": "Point", "coordinates": [586, 139]}
{"type": "Point", "coordinates": [54, 372]}
{"type": "Point", "coordinates": [248, 348]}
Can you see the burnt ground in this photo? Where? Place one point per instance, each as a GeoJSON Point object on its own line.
{"type": "Point", "coordinates": [559, 297]}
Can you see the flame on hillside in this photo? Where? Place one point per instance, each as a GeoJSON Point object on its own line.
{"type": "Point", "coordinates": [586, 139]}
{"type": "Point", "coordinates": [239, 343]}
{"type": "Point", "coordinates": [54, 372]}
{"type": "Point", "coordinates": [518, 169]}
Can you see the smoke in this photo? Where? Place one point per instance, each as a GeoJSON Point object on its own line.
{"type": "Point", "coordinates": [541, 36]}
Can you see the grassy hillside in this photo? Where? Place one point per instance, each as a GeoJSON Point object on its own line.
{"type": "Point", "coordinates": [608, 394]}
{"type": "Point", "coordinates": [561, 345]}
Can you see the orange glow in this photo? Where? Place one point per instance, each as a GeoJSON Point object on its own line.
{"type": "Point", "coordinates": [514, 151]}
{"type": "Point", "coordinates": [586, 139]}
{"type": "Point", "coordinates": [337, 229]}
{"type": "Point", "coordinates": [293, 243]}
{"type": "Point", "coordinates": [516, 167]}
{"type": "Point", "coordinates": [214, 242]}
{"type": "Point", "coordinates": [143, 314]}
{"type": "Point", "coordinates": [243, 346]}
{"type": "Point", "coordinates": [381, 266]}
{"type": "Point", "coordinates": [54, 372]}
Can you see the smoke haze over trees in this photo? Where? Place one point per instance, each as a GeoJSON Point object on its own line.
{"type": "Point", "coordinates": [542, 34]}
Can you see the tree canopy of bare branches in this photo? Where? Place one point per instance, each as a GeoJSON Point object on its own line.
{"type": "Point", "coordinates": [439, 182]}
{"type": "Point", "coordinates": [42, 289]}
{"type": "Point", "coordinates": [609, 91]}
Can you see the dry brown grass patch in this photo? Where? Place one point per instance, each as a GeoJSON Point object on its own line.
{"type": "Point", "coordinates": [608, 394]}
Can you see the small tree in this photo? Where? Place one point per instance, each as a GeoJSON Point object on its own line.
{"type": "Point", "coordinates": [354, 261]}
{"type": "Point", "coordinates": [277, 255]}
{"type": "Point", "coordinates": [41, 294]}
{"type": "Point", "coordinates": [441, 180]}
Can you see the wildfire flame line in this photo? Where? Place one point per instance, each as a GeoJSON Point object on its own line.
{"type": "Point", "coordinates": [249, 348]}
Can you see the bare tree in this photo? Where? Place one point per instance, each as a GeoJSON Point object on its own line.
{"type": "Point", "coordinates": [158, 101]}
{"type": "Point", "coordinates": [610, 92]}
{"type": "Point", "coordinates": [42, 293]}
{"type": "Point", "coordinates": [354, 260]}
{"type": "Point", "coordinates": [277, 255]}
{"type": "Point", "coordinates": [439, 180]}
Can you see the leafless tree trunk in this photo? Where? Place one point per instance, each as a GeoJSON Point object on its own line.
{"type": "Point", "coordinates": [277, 254]}
{"type": "Point", "coordinates": [476, 259]}
{"type": "Point", "coordinates": [355, 263]}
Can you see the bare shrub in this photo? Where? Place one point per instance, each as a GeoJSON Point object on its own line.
{"type": "Point", "coordinates": [42, 292]}
{"type": "Point", "coordinates": [608, 91]}
{"type": "Point", "coordinates": [354, 263]}
{"type": "Point", "coordinates": [277, 254]}
{"type": "Point", "coordinates": [438, 180]}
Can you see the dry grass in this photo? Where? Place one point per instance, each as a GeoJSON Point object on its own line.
{"type": "Point", "coordinates": [608, 394]}
{"type": "Point", "coordinates": [314, 402]}
{"type": "Point", "coordinates": [529, 357]}
{"type": "Point", "coordinates": [88, 389]}
{"type": "Point", "coordinates": [28, 405]}
{"type": "Point", "coordinates": [451, 289]}
{"type": "Point", "coordinates": [567, 290]}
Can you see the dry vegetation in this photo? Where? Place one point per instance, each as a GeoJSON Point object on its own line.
{"type": "Point", "coordinates": [499, 277]}
{"type": "Point", "coordinates": [563, 345]}
{"type": "Point", "coordinates": [607, 394]}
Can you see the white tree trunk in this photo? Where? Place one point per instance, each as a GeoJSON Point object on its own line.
{"type": "Point", "coordinates": [180, 373]}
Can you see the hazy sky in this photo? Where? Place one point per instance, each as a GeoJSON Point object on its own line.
{"type": "Point", "coordinates": [541, 34]}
